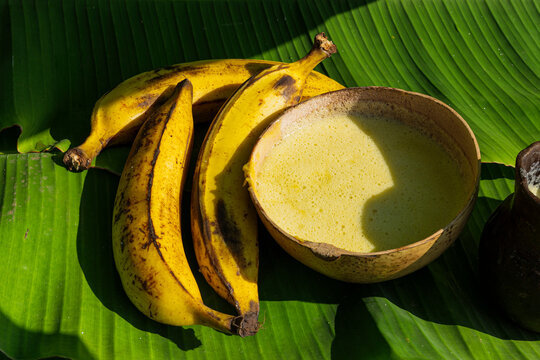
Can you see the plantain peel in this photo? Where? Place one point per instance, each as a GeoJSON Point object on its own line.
{"type": "Point", "coordinates": [146, 237]}
{"type": "Point", "coordinates": [223, 219]}
{"type": "Point", "coordinates": [118, 114]}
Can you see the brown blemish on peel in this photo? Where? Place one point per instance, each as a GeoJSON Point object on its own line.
{"type": "Point", "coordinates": [287, 86]}
{"type": "Point", "coordinates": [284, 81]}
{"type": "Point", "coordinates": [213, 258]}
{"type": "Point", "coordinates": [146, 100]}
{"type": "Point", "coordinates": [255, 68]}
{"type": "Point", "coordinates": [228, 229]}
{"type": "Point", "coordinates": [145, 284]}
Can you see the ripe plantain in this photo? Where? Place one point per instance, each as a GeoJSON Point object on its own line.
{"type": "Point", "coordinates": [146, 236]}
{"type": "Point", "coordinates": [223, 220]}
{"type": "Point", "coordinates": [118, 114]}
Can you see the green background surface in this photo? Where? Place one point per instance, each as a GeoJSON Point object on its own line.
{"type": "Point", "coordinates": [60, 294]}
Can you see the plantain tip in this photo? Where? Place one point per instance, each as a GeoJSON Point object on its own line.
{"type": "Point", "coordinates": [322, 42]}
{"type": "Point", "coordinates": [76, 160]}
{"type": "Point", "coordinates": [246, 324]}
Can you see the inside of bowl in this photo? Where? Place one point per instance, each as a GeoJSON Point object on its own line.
{"type": "Point", "coordinates": [433, 120]}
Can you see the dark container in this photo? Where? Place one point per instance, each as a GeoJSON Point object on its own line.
{"type": "Point", "coordinates": [509, 253]}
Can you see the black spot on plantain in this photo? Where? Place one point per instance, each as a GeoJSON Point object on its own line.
{"type": "Point", "coordinates": [287, 86]}
{"type": "Point", "coordinates": [123, 212]}
{"type": "Point", "coordinates": [255, 68]}
{"type": "Point", "coordinates": [126, 230]}
{"type": "Point", "coordinates": [145, 287]}
{"type": "Point", "coordinates": [228, 229]}
{"type": "Point", "coordinates": [144, 284]}
{"type": "Point", "coordinates": [117, 217]}
{"type": "Point", "coordinates": [146, 100]}
{"type": "Point", "coordinates": [173, 72]}
{"type": "Point", "coordinates": [284, 81]}
{"type": "Point", "coordinates": [161, 77]}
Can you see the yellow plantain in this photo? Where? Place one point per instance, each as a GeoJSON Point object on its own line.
{"type": "Point", "coordinates": [118, 114]}
{"type": "Point", "coordinates": [224, 222]}
{"type": "Point", "coordinates": [146, 236]}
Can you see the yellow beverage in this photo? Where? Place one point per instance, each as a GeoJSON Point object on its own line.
{"type": "Point", "coordinates": [360, 183]}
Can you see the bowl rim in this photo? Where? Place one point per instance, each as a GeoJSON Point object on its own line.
{"type": "Point", "coordinates": [337, 252]}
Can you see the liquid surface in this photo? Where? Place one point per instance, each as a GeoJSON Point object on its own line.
{"type": "Point", "coordinates": [360, 183]}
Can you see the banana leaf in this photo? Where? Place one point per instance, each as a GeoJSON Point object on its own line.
{"type": "Point", "coordinates": [60, 295]}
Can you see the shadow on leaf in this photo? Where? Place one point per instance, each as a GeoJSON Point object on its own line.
{"type": "Point", "coordinates": [357, 331]}
{"type": "Point", "coordinates": [8, 139]}
{"type": "Point", "coordinates": [18, 342]}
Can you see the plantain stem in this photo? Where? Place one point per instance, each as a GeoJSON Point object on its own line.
{"type": "Point", "coordinates": [322, 48]}
{"type": "Point", "coordinates": [77, 160]}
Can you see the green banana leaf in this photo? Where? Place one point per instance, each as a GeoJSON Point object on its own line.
{"type": "Point", "coordinates": [60, 295]}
